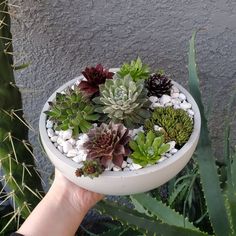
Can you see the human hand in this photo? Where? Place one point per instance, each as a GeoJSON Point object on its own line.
{"type": "Point", "coordinates": [63, 207]}
{"type": "Point", "coordinates": [78, 198]}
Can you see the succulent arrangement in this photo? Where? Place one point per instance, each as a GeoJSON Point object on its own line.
{"type": "Point", "coordinates": [119, 121]}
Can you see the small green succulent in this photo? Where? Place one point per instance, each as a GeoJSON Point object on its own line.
{"type": "Point", "coordinates": [72, 110]}
{"type": "Point", "coordinates": [176, 124]}
{"type": "Point", "coordinates": [91, 168]}
{"type": "Point", "coordinates": [147, 149]}
{"type": "Point", "coordinates": [136, 69]}
{"type": "Point", "coordinates": [124, 101]}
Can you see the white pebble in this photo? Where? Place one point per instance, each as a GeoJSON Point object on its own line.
{"type": "Point", "coordinates": [73, 87]}
{"type": "Point", "coordinates": [54, 138]}
{"type": "Point", "coordinates": [153, 99]}
{"type": "Point", "coordinates": [173, 151]}
{"type": "Point", "coordinates": [129, 160]}
{"type": "Point", "coordinates": [169, 104]}
{"type": "Point", "coordinates": [77, 159]}
{"type": "Point", "coordinates": [72, 153]}
{"type": "Point", "coordinates": [124, 164]}
{"type": "Point", "coordinates": [185, 105]}
{"type": "Point", "coordinates": [157, 104]}
{"type": "Point", "coordinates": [135, 166]}
{"type": "Point", "coordinates": [162, 159]}
{"type": "Point", "coordinates": [175, 89]}
{"type": "Point", "coordinates": [79, 143]}
{"type": "Point", "coordinates": [50, 132]}
{"type": "Point", "coordinates": [72, 141]}
{"type": "Point", "coordinates": [172, 144]}
{"type": "Point", "coordinates": [67, 147]}
{"type": "Point", "coordinates": [57, 132]}
{"type": "Point", "coordinates": [116, 168]}
{"type": "Point", "coordinates": [176, 101]}
{"type": "Point", "coordinates": [49, 124]}
{"type": "Point", "coordinates": [156, 127]}
{"type": "Point", "coordinates": [175, 95]}
{"type": "Point", "coordinates": [190, 112]}
{"type": "Point", "coordinates": [110, 165]}
{"type": "Point", "coordinates": [165, 99]}
{"type": "Point", "coordinates": [60, 141]}
{"type": "Point", "coordinates": [60, 148]}
{"type": "Point", "coordinates": [182, 96]}
{"type": "Point", "coordinates": [168, 155]}
{"type": "Point", "coordinates": [126, 169]}
{"type": "Point", "coordinates": [67, 134]}
{"type": "Point", "coordinates": [176, 106]}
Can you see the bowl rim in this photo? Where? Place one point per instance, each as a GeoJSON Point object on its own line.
{"type": "Point", "coordinates": [113, 174]}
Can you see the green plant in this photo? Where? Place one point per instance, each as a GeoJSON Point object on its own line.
{"type": "Point", "coordinates": [94, 77]}
{"type": "Point", "coordinates": [20, 179]}
{"type": "Point", "coordinates": [91, 168]}
{"type": "Point", "coordinates": [72, 110]}
{"type": "Point", "coordinates": [152, 217]}
{"type": "Point", "coordinates": [147, 149]}
{"type": "Point", "coordinates": [158, 84]}
{"type": "Point", "coordinates": [136, 70]}
{"type": "Point", "coordinates": [106, 144]}
{"type": "Point", "coordinates": [177, 125]}
{"type": "Point", "coordinates": [124, 101]}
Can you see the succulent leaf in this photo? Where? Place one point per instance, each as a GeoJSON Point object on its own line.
{"type": "Point", "coordinates": [124, 101]}
{"type": "Point", "coordinates": [136, 70]}
{"type": "Point", "coordinates": [72, 111]}
{"type": "Point", "coordinates": [147, 149]}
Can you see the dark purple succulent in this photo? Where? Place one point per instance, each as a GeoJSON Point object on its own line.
{"type": "Point", "coordinates": [95, 76]}
{"type": "Point", "coordinates": [108, 143]}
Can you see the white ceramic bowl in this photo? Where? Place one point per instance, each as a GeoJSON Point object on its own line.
{"type": "Point", "coordinates": [124, 182]}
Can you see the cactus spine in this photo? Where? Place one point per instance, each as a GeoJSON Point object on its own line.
{"type": "Point", "coordinates": [20, 178]}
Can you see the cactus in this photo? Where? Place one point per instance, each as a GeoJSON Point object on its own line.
{"type": "Point", "coordinates": [153, 217]}
{"type": "Point", "coordinates": [19, 176]}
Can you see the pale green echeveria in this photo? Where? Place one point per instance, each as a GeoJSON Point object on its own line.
{"type": "Point", "coordinates": [124, 101]}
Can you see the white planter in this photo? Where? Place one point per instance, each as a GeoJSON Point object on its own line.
{"type": "Point", "coordinates": [123, 182]}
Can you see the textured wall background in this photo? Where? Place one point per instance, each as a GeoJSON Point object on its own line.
{"type": "Point", "coordinates": [59, 38]}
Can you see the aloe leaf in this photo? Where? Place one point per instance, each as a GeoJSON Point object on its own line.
{"type": "Point", "coordinates": [205, 158]}
{"type": "Point", "coordinates": [162, 212]}
{"type": "Point", "coordinates": [144, 224]}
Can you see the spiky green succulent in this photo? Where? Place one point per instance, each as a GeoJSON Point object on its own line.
{"type": "Point", "coordinates": [147, 149]}
{"type": "Point", "coordinates": [72, 110]}
{"type": "Point", "coordinates": [176, 124]}
{"type": "Point", "coordinates": [136, 69]}
{"type": "Point", "coordinates": [124, 101]}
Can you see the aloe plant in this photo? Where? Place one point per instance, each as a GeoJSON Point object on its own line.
{"type": "Point", "coordinates": [152, 217]}
{"type": "Point", "coordinates": [20, 179]}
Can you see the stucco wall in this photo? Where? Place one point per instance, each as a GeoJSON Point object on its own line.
{"type": "Point", "coordinates": [59, 38]}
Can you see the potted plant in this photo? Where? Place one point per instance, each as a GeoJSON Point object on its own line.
{"type": "Point", "coordinates": [120, 131]}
